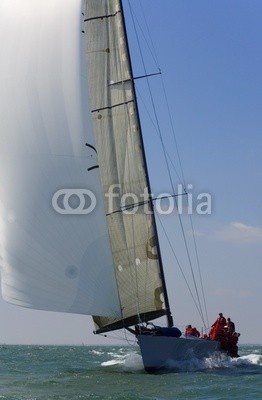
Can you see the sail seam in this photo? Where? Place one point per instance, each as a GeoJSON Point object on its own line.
{"type": "Point", "coordinates": [134, 78]}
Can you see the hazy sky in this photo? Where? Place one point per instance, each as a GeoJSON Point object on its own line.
{"type": "Point", "coordinates": [209, 52]}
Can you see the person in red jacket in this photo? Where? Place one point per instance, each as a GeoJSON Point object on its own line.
{"type": "Point", "coordinates": [220, 321]}
{"type": "Point", "coordinates": [191, 331]}
{"type": "Point", "coordinates": [196, 332]}
{"type": "Point", "coordinates": [217, 327]}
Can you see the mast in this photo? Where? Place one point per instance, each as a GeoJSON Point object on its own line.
{"type": "Point", "coordinates": [168, 311]}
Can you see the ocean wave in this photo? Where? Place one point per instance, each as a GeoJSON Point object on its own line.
{"type": "Point", "coordinates": [130, 361]}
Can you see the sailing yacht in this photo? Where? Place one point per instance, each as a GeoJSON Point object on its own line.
{"type": "Point", "coordinates": [71, 151]}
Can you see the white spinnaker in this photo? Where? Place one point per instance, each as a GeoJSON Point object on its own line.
{"type": "Point", "coordinates": [51, 260]}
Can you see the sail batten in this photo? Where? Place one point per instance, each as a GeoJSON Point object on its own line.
{"type": "Point", "coordinates": [112, 106]}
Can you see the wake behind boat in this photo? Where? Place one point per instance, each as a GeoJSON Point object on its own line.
{"type": "Point", "coordinates": [71, 151]}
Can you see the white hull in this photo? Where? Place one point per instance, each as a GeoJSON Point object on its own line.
{"type": "Point", "coordinates": [160, 352]}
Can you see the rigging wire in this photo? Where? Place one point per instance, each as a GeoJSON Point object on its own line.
{"type": "Point", "coordinates": [170, 176]}
{"type": "Point", "coordinates": [178, 263]}
{"type": "Point", "coordinates": [154, 56]}
{"type": "Point", "coordinates": [199, 271]}
{"type": "Point", "coordinates": [190, 216]}
{"type": "Point", "coordinates": [121, 335]}
{"type": "Point", "coordinates": [168, 155]}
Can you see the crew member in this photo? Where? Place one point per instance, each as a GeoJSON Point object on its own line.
{"type": "Point", "coordinates": [217, 328]}
{"type": "Point", "coordinates": [230, 326]}
{"type": "Point", "coordinates": [191, 331]}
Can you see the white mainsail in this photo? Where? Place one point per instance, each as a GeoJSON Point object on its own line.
{"type": "Point", "coordinates": [122, 166]}
{"type": "Point", "coordinates": [55, 254]}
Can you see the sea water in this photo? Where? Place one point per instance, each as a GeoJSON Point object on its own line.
{"type": "Point", "coordinates": [83, 372]}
